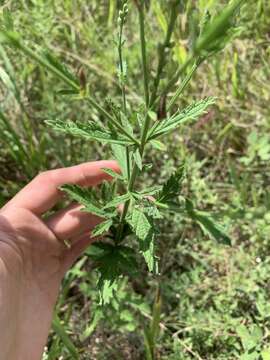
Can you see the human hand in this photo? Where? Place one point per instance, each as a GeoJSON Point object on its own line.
{"type": "Point", "coordinates": [34, 257]}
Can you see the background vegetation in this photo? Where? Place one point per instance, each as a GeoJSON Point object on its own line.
{"type": "Point", "coordinates": [214, 298]}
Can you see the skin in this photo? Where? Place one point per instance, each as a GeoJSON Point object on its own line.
{"type": "Point", "coordinates": [34, 258]}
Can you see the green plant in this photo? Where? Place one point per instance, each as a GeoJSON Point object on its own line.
{"type": "Point", "coordinates": [131, 130]}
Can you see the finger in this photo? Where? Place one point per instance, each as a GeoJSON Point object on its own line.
{"type": "Point", "coordinates": [71, 222]}
{"type": "Point", "coordinates": [42, 193]}
{"type": "Point", "coordinates": [80, 244]}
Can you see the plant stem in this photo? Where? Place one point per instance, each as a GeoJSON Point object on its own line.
{"type": "Point", "coordinates": [181, 69]}
{"type": "Point", "coordinates": [127, 203]}
{"type": "Point", "coordinates": [147, 120]}
{"type": "Point", "coordinates": [121, 65]}
{"type": "Point", "coordinates": [123, 86]}
{"type": "Point", "coordinates": [183, 84]}
{"type": "Point", "coordinates": [143, 53]}
{"type": "Point", "coordinates": [112, 120]}
{"type": "Point", "coordinates": [162, 51]}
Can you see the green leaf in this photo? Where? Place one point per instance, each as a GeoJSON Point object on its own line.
{"type": "Point", "coordinates": [172, 188]}
{"type": "Point", "coordinates": [98, 250]}
{"type": "Point", "coordinates": [249, 337]}
{"type": "Point", "coordinates": [80, 194]}
{"type": "Point", "coordinates": [144, 229]}
{"type": "Point", "coordinates": [102, 228]}
{"type": "Point", "coordinates": [138, 158]}
{"type": "Point", "coordinates": [126, 123]}
{"type": "Point", "coordinates": [215, 32]}
{"type": "Point", "coordinates": [98, 315]}
{"type": "Point", "coordinates": [208, 224]}
{"type": "Point", "coordinates": [113, 262]}
{"type": "Point", "coordinates": [84, 196]}
{"type": "Point", "coordinates": [158, 145]}
{"type": "Point", "coordinates": [150, 208]}
{"type": "Point", "coordinates": [153, 190]}
{"type": "Point", "coordinates": [61, 332]}
{"type": "Point", "coordinates": [192, 112]}
{"type": "Point", "coordinates": [112, 173]}
{"type": "Point", "coordinates": [57, 64]}
{"type": "Point", "coordinates": [67, 92]}
{"type": "Point", "coordinates": [120, 155]}
{"type": "Point", "coordinates": [117, 201]}
{"type": "Point", "coordinates": [88, 130]}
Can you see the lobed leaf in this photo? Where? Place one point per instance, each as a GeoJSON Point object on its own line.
{"type": "Point", "coordinates": [120, 155]}
{"type": "Point", "coordinates": [143, 227]}
{"type": "Point", "coordinates": [112, 173]}
{"type": "Point", "coordinates": [117, 201]}
{"type": "Point", "coordinates": [113, 262]}
{"type": "Point", "coordinates": [84, 196]}
{"type": "Point", "coordinates": [102, 228]}
{"type": "Point", "coordinates": [172, 188]}
{"type": "Point", "coordinates": [88, 130]}
{"type": "Point", "coordinates": [192, 112]}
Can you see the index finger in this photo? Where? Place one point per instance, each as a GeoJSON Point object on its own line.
{"type": "Point", "coordinates": [42, 193]}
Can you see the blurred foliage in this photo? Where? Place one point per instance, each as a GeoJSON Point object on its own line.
{"type": "Point", "coordinates": [215, 299]}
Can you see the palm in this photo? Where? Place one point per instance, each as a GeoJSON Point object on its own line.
{"type": "Point", "coordinates": [34, 257]}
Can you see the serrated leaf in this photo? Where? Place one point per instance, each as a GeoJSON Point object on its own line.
{"type": "Point", "coordinates": [112, 173]}
{"type": "Point", "coordinates": [107, 289]}
{"type": "Point", "coordinates": [120, 155]}
{"type": "Point", "coordinates": [172, 188]}
{"type": "Point", "coordinates": [98, 250]}
{"type": "Point", "coordinates": [88, 130]}
{"type": "Point", "coordinates": [98, 211]}
{"type": "Point", "coordinates": [117, 201]}
{"type": "Point", "coordinates": [208, 224]}
{"type": "Point", "coordinates": [102, 228]}
{"type": "Point", "coordinates": [144, 230]}
{"type": "Point", "coordinates": [192, 112]}
{"type": "Point", "coordinates": [78, 193]}
{"type": "Point", "coordinates": [84, 197]}
{"type": "Point", "coordinates": [151, 209]}
{"type": "Point", "coordinates": [153, 190]}
{"type": "Point", "coordinates": [113, 261]}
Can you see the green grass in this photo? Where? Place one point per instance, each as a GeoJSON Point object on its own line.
{"type": "Point", "coordinates": [215, 299]}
